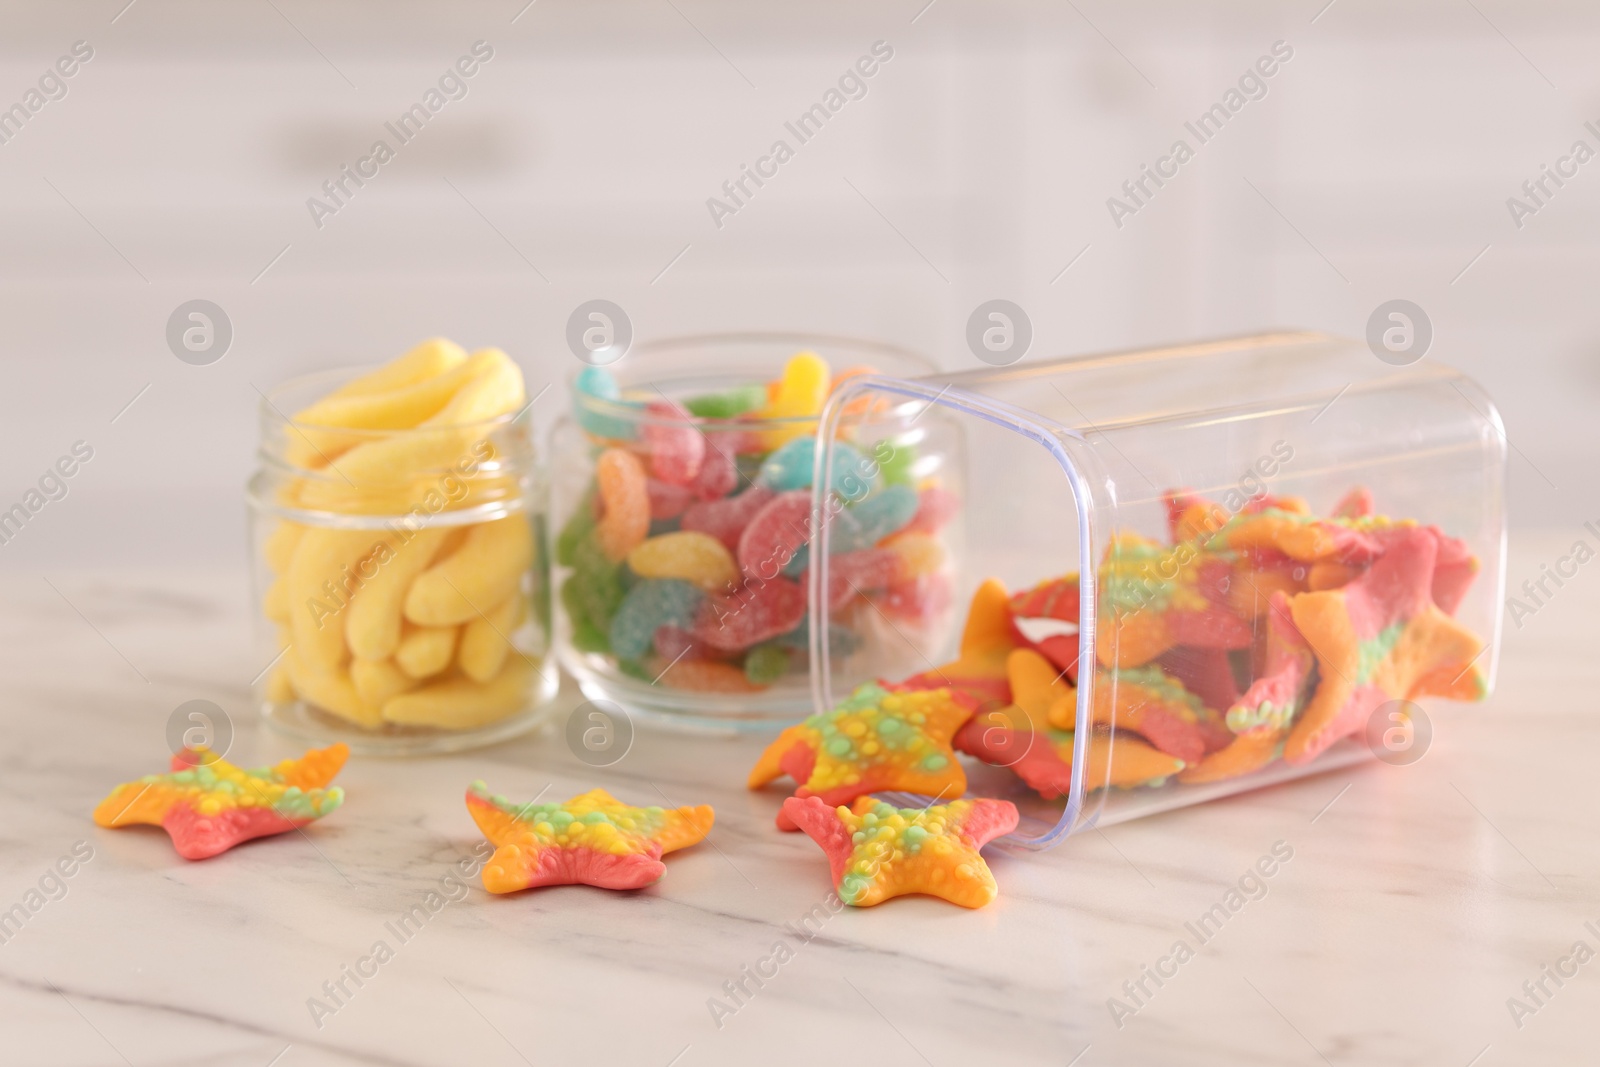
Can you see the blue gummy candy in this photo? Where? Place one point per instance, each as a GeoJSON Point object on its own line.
{"type": "Point", "coordinates": [597, 382]}
{"type": "Point", "coordinates": [875, 518]}
{"type": "Point", "coordinates": [651, 603]}
{"type": "Point", "coordinates": [790, 467]}
{"type": "Point", "coordinates": [844, 535]}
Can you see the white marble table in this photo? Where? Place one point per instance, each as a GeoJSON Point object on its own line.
{"type": "Point", "coordinates": [1418, 900]}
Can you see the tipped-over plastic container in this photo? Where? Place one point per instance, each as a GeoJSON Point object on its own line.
{"type": "Point", "coordinates": [1287, 548]}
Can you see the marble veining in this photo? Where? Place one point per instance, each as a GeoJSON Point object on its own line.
{"type": "Point", "coordinates": [1418, 899]}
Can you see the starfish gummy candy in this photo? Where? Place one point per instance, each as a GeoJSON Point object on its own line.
{"type": "Point", "coordinates": [875, 740]}
{"type": "Point", "coordinates": [208, 805]}
{"type": "Point", "coordinates": [1377, 639]}
{"type": "Point", "coordinates": [1261, 717]}
{"type": "Point", "coordinates": [592, 839]}
{"type": "Point", "coordinates": [877, 851]}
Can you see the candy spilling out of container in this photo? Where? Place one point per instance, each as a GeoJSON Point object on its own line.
{"type": "Point", "coordinates": [1240, 562]}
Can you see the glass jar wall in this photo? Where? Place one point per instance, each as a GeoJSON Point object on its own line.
{"type": "Point", "coordinates": [401, 574]}
{"type": "Point", "coordinates": [681, 483]}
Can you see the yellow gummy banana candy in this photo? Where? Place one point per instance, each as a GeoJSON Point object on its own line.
{"type": "Point", "coordinates": [486, 640]}
{"type": "Point", "coordinates": [485, 570]}
{"type": "Point", "coordinates": [320, 583]}
{"type": "Point", "coordinates": [801, 391]}
{"type": "Point", "coordinates": [429, 359]}
{"type": "Point", "coordinates": [332, 426]}
{"type": "Point", "coordinates": [491, 385]}
{"type": "Point", "coordinates": [426, 650]}
{"type": "Point", "coordinates": [278, 549]}
{"type": "Point", "coordinates": [279, 689]}
{"type": "Point", "coordinates": [332, 691]}
{"type": "Point", "coordinates": [275, 601]}
{"type": "Point", "coordinates": [372, 624]}
{"type": "Point", "coordinates": [398, 464]}
{"type": "Point", "coordinates": [379, 680]}
{"type": "Point", "coordinates": [461, 703]}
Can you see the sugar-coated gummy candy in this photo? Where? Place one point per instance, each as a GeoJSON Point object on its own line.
{"type": "Point", "coordinates": [651, 603]}
{"type": "Point", "coordinates": [936, 506]}
{"type": "Point", "coordinates": [632, 668]}
{"type": "Point", "coordinates": [667, 501]}
{"type": "Point", "coordinates": [674, 642]}
{"type": "Point", "coordinates": [727, 404]}
{"type": "Point", "coordinates": [766, 663]}
{"type": "Point", "coordinates": [625, 502]}
{"type": "Point", "coordinates": [880, 515]}
{"type": "Point", "coordinates": [800, 393]}
{"type": "Point", "coordinates": [918, 554]}
{"type": "Point", "coordinates": [578, 528]}
{"type": "Point", "coordinates": [676, 446]}
{"type": "Point", "coordinates": [748, 465]}
{"type": "Point", "coordinates": [760, 610]}
{"type": "Point", "coordinates": [775, 534]}
{"type": "Point", "coordinates": [895, 462]}
{"type": "Point", "coordinates": [687, 554]}
{"type": "Point", "coordinates": [844, 535]}
{"type": "Point", "coordinates": [719, 472]}
{"type": "Point", "coordinates": [598, 584]}
{"type": "Point", "coordinates": [919, 599]}
{"type": "Point", "coordinates": [858, 571]}
{"type": "Point", "coordinates": [599, 383]}
{"type": "Point", "coordinates": [793, 465]}
{"type": "Point", "coordinates": [587, 637]}
{"type": "Point", "coordinates": [727, 518]}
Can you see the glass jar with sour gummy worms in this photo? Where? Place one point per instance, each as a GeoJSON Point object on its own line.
{"type": "Point", "coordinates": [398, 551]}
{"type": "Point", "coordinates": [682, 482]}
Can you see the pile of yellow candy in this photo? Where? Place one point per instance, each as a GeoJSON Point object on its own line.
{"type": "Point", "coordinates": [408, 619]}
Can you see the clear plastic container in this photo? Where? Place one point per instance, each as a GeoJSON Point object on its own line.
{"type": "Point", "coordinates": [707, 657]}
{"type": "Point", "coordinates": [401, 579]}
{"type": "Point", "coordinates": [1293, 544]}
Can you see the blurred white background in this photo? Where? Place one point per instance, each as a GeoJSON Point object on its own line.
{"type": "Point", "coordinates": [978, 165]}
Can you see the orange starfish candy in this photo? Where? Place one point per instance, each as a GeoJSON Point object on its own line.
{"type": "Point", "coordinates": [207, 805]}
{"type": "Point", "coordinates": [1260, 718]}
{"type": "Point", "coordinates": [986, 641]}
{"type": "Point", "coordinates": [877, 851]}
{"type": "Point", "coordinates": [1043, 759]}
{"type": "Point", "coordinates": [1381, 638]}
{"type": "Point", "coordinates": [592, 839]}
{"type": "Point", "coordinates": [873, 741]}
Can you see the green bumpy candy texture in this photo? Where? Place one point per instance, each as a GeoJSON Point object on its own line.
{"type": "Point", "coordinates": [599, 585]}
{"type": "Point", "coordinates": [579, 528]}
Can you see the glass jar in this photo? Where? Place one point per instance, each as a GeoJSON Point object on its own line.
{"type": "Point", "coordinates": [1292, 545]}
{"type": "Point", "coordinates": [696, 612]}
{"type": "Point", "coordinates": [401, 579]}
